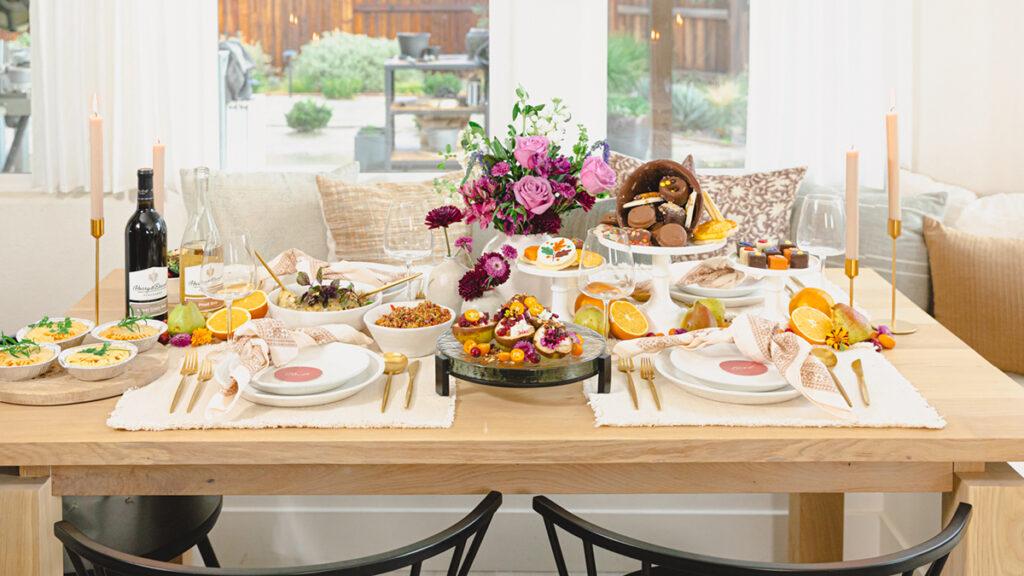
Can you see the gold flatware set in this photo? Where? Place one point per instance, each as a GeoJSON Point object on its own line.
{"type": "Point", "coordinates": [627, 367]}
{"type": "Point", "coordinates": [190, 367]}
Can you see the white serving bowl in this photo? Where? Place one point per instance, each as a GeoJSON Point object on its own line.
{"type": "Point", "coordinates": [305, 319]}
{"type": "Point", "coordinates": [64, 344]}
{"type": "Point", "coordinates": [413, 342]}
{"type": "Point", "coordinates": [142, 344]}
{"type": "Point", "coordinates": [93, 373]}
{"type": "Point", "coordinates": [17, 373]}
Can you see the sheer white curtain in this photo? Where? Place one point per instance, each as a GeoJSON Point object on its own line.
{"type": "Point", "coordinates": [153, 66]}
{"type": "Point", "coordinates": [821, 77]}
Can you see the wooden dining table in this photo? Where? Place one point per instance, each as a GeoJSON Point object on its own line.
{"type": "Point", "coordinates": [544, 441]}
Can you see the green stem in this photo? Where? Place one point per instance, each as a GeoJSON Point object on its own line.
{"type": "Point", "coordinates": [447, 244]}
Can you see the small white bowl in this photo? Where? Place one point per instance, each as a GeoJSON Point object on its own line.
{"type": "Point", "coordinates": [17, 373]}
{"type": "Point", "coordinates": [305, 318]}
{"type": "Point", "coordinates": [64, 344]}
{"type": "Point", "coordinates": [93, 373]}
{"type": "Point", "coordinates": [142, 344]}
{"type": "Point", "coordinates": [413, 342]}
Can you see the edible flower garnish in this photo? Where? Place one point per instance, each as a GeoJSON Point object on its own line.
{"type": "Point", "coordinates": [838, 338]}
{"type": "Point", "coordinates": [101, 351]}
{"type": "Point", "coordinates": [16, 348]}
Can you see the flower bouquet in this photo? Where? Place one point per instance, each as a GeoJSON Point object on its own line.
{"type": "Point", "coordinates": [524, 183]}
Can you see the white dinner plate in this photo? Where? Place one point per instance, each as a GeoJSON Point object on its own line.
{"type": "Point", "coordinates": [315, 369]}
{"type": "Point", "coordinates": [372, 373]}
{"type": "Point", "coordinates": [748, 286]}
{"type": "Point", "coordinates": [724, 367]}
{"type": "Point", "coordinates": [663, 364]}
{"type": "Point", "coordinates": [753, 299]}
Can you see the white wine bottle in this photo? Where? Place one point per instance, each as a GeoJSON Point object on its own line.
{"type": "Point", "coordinates": [145, 256]}
{"type": "Point", "coordinates": [200, 231]}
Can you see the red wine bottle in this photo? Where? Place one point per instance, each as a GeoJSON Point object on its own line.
{"type": "Point", "coordinates": [145, 256]}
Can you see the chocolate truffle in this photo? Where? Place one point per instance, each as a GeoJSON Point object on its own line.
{"type": "Point", "coordinates": [757, 260]}
{"type": "Point", "coordinates": [610, 218]}
{"type": "Point", "coordinates": [641, 217]}
{"type": "Point", "coordinates": [670, 235]}
{"type": "Point", "coordinates": [672, 213]}
{"type": "Point", "coordinates": [798, 259]}
{"type": "Point", "coordinates": [674, 189]}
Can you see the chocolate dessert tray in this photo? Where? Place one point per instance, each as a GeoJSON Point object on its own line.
{"type": "Point", "coordinates": [452, 360]}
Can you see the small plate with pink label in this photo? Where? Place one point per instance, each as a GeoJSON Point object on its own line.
{"type": "Point", "coordinates": [724, 367]}
{"type": "Point", "coordinates": [315, 369]}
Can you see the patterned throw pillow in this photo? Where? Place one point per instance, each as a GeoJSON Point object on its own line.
{"type": "Point", "coordinates": [623, 166]}
{"type": "Point", "coordinates": [356, 216]}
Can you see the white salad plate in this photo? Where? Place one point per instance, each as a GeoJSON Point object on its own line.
{"type": "Point", "coordinates": [753, 299]}
{"type": "Point", "coordinates": [371, 374]}
{"type": "Point", "coordinates": [316, 369]}
{"type": "Point", "coordinates": [663, 363]}
{"type": "Point", "coordinates": [724, 367]}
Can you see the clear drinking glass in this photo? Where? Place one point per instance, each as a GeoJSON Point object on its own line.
{"type": "Point", "coordinates": [406, 237]}
{"type": "Point", "coordinates": [228, 271]}
{"type": "Point", "coordinates": [610, 277]}
{"type": "Point", "coordinates": [822, 228]}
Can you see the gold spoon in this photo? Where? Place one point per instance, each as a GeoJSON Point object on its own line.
{"type": "Point", "coordinates": [274, 276]}
{"type": "Point", "coordinates": [394, 363]}
{"type": "Point", "coordinates": [828, 358]}
{"type": "Point", "coordinates": [393, 284]}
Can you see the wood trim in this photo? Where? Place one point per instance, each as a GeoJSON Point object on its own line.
{"type": "Point", "coordinates": [28, 511]}
{"type": "Point", "coordinates": [816, 527]}
{"type": "Point", "coordinates": [510, 479]}
{"type": "Point", "coordinates": [993, 544]}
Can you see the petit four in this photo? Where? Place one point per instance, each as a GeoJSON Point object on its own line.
{"type": "Point", "coordinates": [798, 259]}
{"type": "Point", "coordinates": [763, 244]}
{"type": "Point", "coordinates": [777, 262]}
{"type": "Point", "coordinates": [757, 260]}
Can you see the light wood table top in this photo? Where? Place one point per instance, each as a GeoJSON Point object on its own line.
{"type": "Point", "coordinates": [983, 407]}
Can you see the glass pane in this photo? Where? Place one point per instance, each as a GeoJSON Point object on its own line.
{"type": "Point", "coordinates": [15, 89]}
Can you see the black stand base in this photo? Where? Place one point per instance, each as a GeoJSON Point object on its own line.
{"type": "Point", "coordinates": [443, 365]}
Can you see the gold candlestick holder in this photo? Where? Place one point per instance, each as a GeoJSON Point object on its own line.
{"type": "Point", "coordinates": [897, 327]}
{"type": "Point", "coordinates": [96, 229]}
{"type": "Point", "coordinates": [852, 267]}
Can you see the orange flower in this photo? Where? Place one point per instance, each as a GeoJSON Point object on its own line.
{"type": "Point", "coordinates": [201, 336]}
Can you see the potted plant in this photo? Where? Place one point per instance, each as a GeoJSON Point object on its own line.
{"type": "Point", "coordinates": [371, 148]}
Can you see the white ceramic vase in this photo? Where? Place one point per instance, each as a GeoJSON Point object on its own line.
{"type": "Point", "coordinates": [443, 283]}
{"type": "Point", "coordinates": [490, 302]}
{"type": "Point", "coordinates": [519, 283]}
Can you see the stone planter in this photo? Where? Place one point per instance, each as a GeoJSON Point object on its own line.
{"type": "Point", "coordinates": [371, 148]}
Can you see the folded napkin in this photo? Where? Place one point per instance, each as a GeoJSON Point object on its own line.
{"type": "Point", "coordinates": [763, 341]}
{"type": "Point", "coordinates": [294, 260]}
{"type": "Point", "coordinates": [713, 273]}
{"type": "Point", "coordinates": [267, 342]}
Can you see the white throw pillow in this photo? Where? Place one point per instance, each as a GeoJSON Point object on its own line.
{"type": "Point", "coordinates": [957, 198]}
{"type": "Point", "coordinates": [998, 215]}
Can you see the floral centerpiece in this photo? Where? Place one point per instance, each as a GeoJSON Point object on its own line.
{"type": "Point", "coordinates": [492, 269]}
{"type": "Point", "coordinates": [526, 182]}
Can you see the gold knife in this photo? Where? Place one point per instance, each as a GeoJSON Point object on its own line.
{"type": "Point", "coordinates": [414, 367]}
{"type": "Point", "coordinates": [858, 369]}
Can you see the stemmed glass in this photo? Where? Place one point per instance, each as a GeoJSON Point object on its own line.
{"type": "Point", "coordinates": [406, 237]}
{"type": "Point", "coordinates": [610, 277]}
{"type": "Point", "coordinates": [822, 228]}
{"type": "Point", "coordinates": [228, 272]}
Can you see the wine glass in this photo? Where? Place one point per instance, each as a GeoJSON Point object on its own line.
{"type": "Point", "coordinates": [610, 277]}
{"type": "Point", "coordinates": [228, 271]}
{"type": "Point", "coordinates": [822, 228]}
{"type": "Point", "coordinates": [406, 237]}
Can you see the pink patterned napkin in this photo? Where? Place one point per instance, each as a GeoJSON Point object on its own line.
{"type": "Point", "coordinates": [265, 342]}
{"type": "Point", "coordinates": [763, 341]}
{"type": "Point", "coordinates": [295, 260]}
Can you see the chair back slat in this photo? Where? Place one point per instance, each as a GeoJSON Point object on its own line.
{"type": "Point", "coordinates": [471, 555]}
{"type": "Point", "coordinates": [415, 570]}
{"type": "Point", "coordinates": [668, 561]}
{"type": "Point", "coordinates": [453, 566]}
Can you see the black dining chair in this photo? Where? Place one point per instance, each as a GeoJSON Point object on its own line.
{"type": "Point", "coordinates": [463, 538]}
{"type": "Point", "coordinates": [660, 561]}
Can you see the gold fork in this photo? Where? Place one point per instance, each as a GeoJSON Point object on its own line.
{"type": "Point", "coordinates": [626, 367]}
{"type": "Point", "coordinates": [205, 373]}
{"type": "Point", "coordinates": [189, 366]}
{"type": "Point", "coordinates": [647, 373]}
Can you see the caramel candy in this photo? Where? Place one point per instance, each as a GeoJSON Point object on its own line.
{"type": "Point", "coordinates": [674, 189]}
{"type": "Point", "coordinates": [641, 217]}
{"type": "Point", "coordinates": [672, 235]}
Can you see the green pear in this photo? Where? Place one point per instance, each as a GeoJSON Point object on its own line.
{"type": "Point", "coordinates": [716, 307]}
{"type": "Point", "coordinates": [856, 324]}
{"type": "Point", "coordinates": [699, 316]}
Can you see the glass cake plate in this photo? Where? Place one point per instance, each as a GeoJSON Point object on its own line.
{"type": "Point", "coordinates": [452, 360]}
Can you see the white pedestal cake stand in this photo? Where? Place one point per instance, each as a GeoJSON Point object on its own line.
{"type": "Point", "coordinates": [776, 301]}
{"type": "Point", "coordinates": [661, 311]}
{"type": "Point", "coordinates": [562, 282]}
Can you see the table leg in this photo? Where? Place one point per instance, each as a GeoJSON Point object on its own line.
{"type": "Point", "coordinates": [28, 511]}
{"type": "Point", "coordinates": [816, 527]}
{"type": "Point", "coordinates": [993, 545]}
{"type": "Point", "coordinates": [442, 383]}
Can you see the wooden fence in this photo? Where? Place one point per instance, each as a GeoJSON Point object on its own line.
{"type": "Point", "coordinates": [707, 35]}
{"type": "Point", "coordinates": [280, 25]}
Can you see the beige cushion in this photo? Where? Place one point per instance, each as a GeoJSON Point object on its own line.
{"type": "Point", "coordinates": [356, 216]}
{"type": "Point", "coordinates": [978, 292]}
{"type": "Point", "coordinates": [277, 210]}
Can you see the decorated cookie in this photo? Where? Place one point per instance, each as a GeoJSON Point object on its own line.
{"type": "Point", "coordinates": [556, 253]}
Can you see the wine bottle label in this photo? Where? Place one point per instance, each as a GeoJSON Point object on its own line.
{"type": "Point", "coordinates": [147, 291]}
{"type": "Point", "coordinates": [194, 291]}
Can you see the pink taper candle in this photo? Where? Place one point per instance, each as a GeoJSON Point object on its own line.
{"type": "Point", "coordinates": [893, 164]}
{"type": "Point", "coordinates": [158, 176]}
{"type": "Point", "coordinates": [96, 161]}
{"type": "Point", "coordinates": [852, 212]}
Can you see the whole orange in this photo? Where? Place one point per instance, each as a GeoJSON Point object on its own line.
{"type": "Point", "coordinates": [815, 298]}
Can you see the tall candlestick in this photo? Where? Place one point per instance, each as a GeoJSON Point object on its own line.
{"type": "Point", "coordinates": [158, 176]}
{"type": "Point", "coordinates": [893, 163]}
{"type": "Point", "coordinates": [96, 161]}
{"type": "Point", "coordinates": [852, 217]}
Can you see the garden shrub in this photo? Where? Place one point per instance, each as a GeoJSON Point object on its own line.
{"type": "Point", "coordinates": [442, 85]}
{"type": "Point", "coordinates": [344, 55]}
{"type": "Point", "coordinates": [341, 87]}
{"type": "Point", "coordinates": [308, 116]}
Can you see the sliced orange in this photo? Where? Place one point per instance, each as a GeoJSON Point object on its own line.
{"type": "Point", "coordinates": [810, 324]}
{"type": "Point", "coordinates": [815, 298]}
{"type": "Point", "coordinates": [218, 321]}
{"type": "Point", "coordinates": [255, 303]}
{"type": "Point", "coordinates": [627, 320]}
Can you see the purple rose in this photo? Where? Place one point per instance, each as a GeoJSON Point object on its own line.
{"type": "Point", "coordinates": [597, 176]}
{"type": "Point", "coordinates": [526, 147]}
{"type": "Point", "coordinates": [500, 169]}
{"type": "Point", "coordinates": [534, 194]}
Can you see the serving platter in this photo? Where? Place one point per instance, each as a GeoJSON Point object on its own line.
{"type": "Point", "coordinates": [452, 361]}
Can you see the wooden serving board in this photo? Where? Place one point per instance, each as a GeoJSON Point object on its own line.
{"type": "Point", "coordinates": [56, 386]}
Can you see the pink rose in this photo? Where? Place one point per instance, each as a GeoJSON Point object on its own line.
{"type": "Point", "coordinates": [526, 147]}
{"type": "Point", "coordinates": [597, 176]}
{"type": "Point", "coordinates": [534, 193]}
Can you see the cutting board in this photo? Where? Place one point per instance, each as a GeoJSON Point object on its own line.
{"type": "Point", "coordinates": [56, 386]}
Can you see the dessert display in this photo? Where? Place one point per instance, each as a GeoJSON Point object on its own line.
{"type": "Point", "coordinates": [474, 325]}
{"type": "Point", "coordinates": [55, 330]}
{"type": "Point", "coordinates": [771, 255]}
{"type": "Point", "coordinates": [713, 273]}
{"type": "Point", "coordinates": [422, 315]}
{"type": "Point", "coordinates": [525, 331]}
{"type": "Point", "coordinates": [98, 356]}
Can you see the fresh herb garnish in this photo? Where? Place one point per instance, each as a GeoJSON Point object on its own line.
{"type": "Point", "coordinates": [62, 327]}
{"type": "Point", "coordinates": [16, 348]}
{"type": "Point", "coordinates": [44, 323]}
{"type": "Point", "coordinates": [131, 323]}
{"type": "Point", "coordinates": [101, 351]}
{"type": "Point", "coordinates": [324, 294]}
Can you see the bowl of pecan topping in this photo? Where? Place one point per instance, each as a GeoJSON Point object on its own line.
{"type": "Point", "coordinates": [411, 328]}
